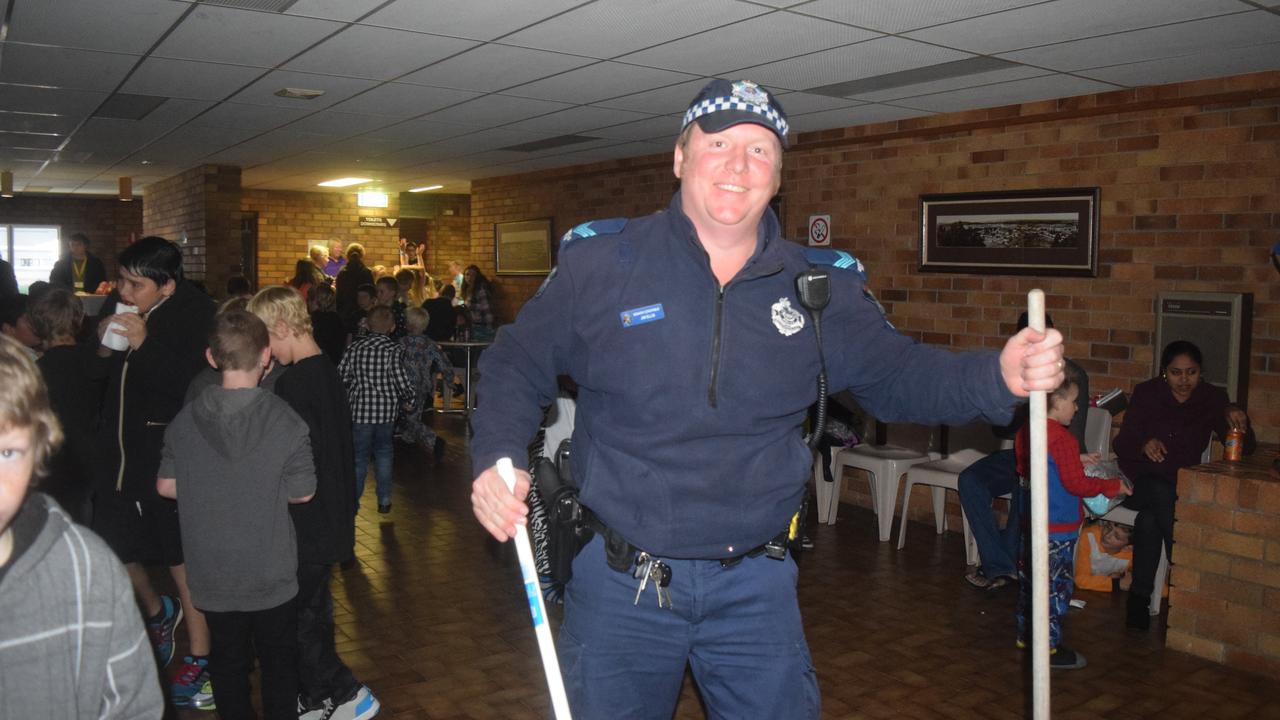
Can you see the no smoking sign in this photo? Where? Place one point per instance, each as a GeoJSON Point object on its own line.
{"type": "Point", "coordinates": [819, 230]}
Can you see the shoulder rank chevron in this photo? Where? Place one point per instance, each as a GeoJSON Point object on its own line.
{"type": "Point", "coordinates": [835, 258]}
{"type": "Point", "coordinates": [612, 226]}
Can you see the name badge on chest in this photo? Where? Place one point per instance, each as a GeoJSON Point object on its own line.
{"type": "Point", "coordinates": [641, 315]}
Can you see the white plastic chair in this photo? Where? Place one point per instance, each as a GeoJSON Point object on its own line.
{"type": "Point", "coordinates": [884, 464]}
{"type": "Point", "coordinates": [942, 475]}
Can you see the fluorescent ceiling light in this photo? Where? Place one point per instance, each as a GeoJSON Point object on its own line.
{"type": "Point", "coordinates": [344, 182]}
{"type": "Point", "coordinates": [426, 188]}
{"type": "Point", "coordinates": [371, 199]}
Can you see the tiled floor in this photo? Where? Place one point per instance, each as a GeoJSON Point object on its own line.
{"type": "Point", "coordinates": [435, 621]}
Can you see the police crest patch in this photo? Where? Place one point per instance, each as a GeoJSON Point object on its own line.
{"type": "Point", "coordinates": [787, 319]}
{"type": "Point", "coordinates": [750, 92]}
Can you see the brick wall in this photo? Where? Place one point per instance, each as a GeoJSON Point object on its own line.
{"type": "Point", "coordinates": [109, 223]}
{"type": "Point", "coordinates": [198, 209]}
{"type": "Point", "coordinates": [289, 222]}
{"type": "Point", "coordinates": [1224, 603]}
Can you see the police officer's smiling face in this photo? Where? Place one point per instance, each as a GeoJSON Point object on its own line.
{"type": "Point", "coordinates": [727, 178]}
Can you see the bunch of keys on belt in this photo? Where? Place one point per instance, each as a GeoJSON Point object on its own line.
{"type": "Point", "coordinates": [651, 568]}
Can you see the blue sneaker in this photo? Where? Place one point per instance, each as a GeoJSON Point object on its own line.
{"type": "Point", "coordinates": [192, 676]}
{"type": "Point", "coordinates": [203, 699]}
{"type": "Point", "coordinates": [161, 630]}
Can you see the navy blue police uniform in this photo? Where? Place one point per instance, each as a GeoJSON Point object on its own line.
{"type": "Point", "coordinates": [688, 444]}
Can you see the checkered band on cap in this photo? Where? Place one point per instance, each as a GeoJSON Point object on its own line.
{"type": "Point", "coordinates": [720, 104]}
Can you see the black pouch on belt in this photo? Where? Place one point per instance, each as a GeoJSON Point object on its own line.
{"type": "Point", "coordinates": [566, 533]}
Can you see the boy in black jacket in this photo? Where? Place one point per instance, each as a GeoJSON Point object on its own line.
{"type": "Point", "coordinates": [326, 525]}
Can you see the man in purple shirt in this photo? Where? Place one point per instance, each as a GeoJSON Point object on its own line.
{"type": "Point", "coordinates": [336, 259]}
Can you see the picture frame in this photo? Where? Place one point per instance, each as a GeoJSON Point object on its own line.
{"type": "Point", "coordinates": [1019, 232]}
{"type": "Point", "coordinates": [522, 247]}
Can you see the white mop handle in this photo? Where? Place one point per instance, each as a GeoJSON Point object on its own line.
{"type": "Point", "coordinates": [529, 571]}
{"type": "Point", "coordinates": [1039, 530]}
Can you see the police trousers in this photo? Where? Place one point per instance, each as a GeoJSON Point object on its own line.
{"type": "Point", "coordinates": [738, 628]}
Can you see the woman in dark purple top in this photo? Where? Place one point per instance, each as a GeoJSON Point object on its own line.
{"type": "Point", "coordinates": [1169, 423]}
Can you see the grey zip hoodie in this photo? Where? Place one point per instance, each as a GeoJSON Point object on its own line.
{"type": "Point", "coordinates": [71, 637]}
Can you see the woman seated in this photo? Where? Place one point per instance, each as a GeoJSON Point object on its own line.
{"type": "Point", "coordinates": [1167, 426]}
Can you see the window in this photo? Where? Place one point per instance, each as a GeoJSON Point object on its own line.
{"type": "Point", "coordinates": [32, 250]}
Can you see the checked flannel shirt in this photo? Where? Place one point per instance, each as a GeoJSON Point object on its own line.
{"type": "Point", "coordinates": [373, 372]}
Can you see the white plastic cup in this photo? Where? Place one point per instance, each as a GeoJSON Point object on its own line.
{"type": "Point", "coordinates": [114, 340]}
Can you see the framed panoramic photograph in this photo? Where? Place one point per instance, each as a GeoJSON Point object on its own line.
{"type": "Point", "coordinates": [523, 247]}
{"type": "Point", "coordinates": [1022, 232]}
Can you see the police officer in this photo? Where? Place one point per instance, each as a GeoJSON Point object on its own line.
{"type": "Point", "coordinates": [695, 364]}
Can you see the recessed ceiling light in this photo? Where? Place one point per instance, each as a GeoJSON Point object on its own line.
{"type": "Point", "coordinates": [145, 162]}
{"type": "Point", "coordinates": [426, 188]}
{"type": "Point", "coordinates": [344, 182]}
{"type": "Point", "coordinates": [299, 93]}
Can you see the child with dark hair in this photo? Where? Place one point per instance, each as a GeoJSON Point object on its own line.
{"type": "Point", "coordinates": [377, 387]}
{"type": "Point", "coordinates": [76, 381]}
{"type": "Point", "coordinates": [71, 642]}
{"type": "Point", "coordinates": [389, 295]}
{"type": "Point", "coordinates": [1067, 485]}
{"type": "Point", "coordinates": [15, 323]}
{"type": "Point", "coordinates": [166, 338]}
{"type": "Point", "coordinates": [234, 459]}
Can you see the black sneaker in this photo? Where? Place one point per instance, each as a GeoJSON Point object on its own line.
{"type": "Point", "coordinates": [1065, 659]}
{"type": "Point", "coordinates": [1136, 615]}
{"type": "Point", "coordinates": [384, 509]}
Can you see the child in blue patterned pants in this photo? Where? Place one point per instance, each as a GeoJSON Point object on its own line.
{"type": "Point", "coordinates": [1067, 484]}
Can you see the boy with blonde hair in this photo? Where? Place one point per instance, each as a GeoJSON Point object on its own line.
{"type": "Point", "coordinates": [326, 525]}
{"type": "Point", "coordinates": [71, 640]}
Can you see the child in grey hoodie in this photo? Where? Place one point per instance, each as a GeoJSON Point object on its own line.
{"type": "Point", "coordinates": [234, 459]}
{"type": "Point", "coordinates": [71, 639]}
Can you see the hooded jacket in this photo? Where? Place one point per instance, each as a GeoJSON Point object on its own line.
{"type": "Point", "coordinates": [692, 396]}
{"type": "Point", "coordinates": [238, 457]}
{"type": "Point", "coordinates": [71, 638]}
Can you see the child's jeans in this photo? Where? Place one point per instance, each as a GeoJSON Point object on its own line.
{"type": "Point", "coordinates": [375, 438]}
{"type": "Point", "coordinates": [236, 637]}
{"type": "Point", "coordinates": [1062, 554]}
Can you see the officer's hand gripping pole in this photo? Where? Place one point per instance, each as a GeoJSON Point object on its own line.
{"type": "Point", "coordinates": [529, 571]}
{"type": "Point", "coordinates": [1039, 530]}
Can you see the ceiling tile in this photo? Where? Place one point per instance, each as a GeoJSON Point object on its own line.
{"type": "Point", "coordinates": [848, 117]}
{"type": "Point", "coordinates": [1204, 64]}
{"type": "Point", "coordinates": [493, 110]}
{"type": "Point", "coordinates": [379, 53]}
{"type": "Point", "coordinates": [665, 100]}
{"type": "Point", "coordinates": [609, 28]}
{"type": "Point", "coordinates": [577, 120]}
{"type": "Point", "coordinates": [598, 82]}
{"type": "Point", "coordinates": [798, 103]}
{"type": "Point", "coordinates": [1017, 91]}
{"type": "Point", "coordinates": [342, 10]}
{"type": "Point", "coordinates": [417, 132]}
{"type": "Point", "coordinates": [63, 67]}
{"type": "Point", "coordinates": [269, 146]}
{"type": "Point", "coordinates": [342, 124]}
{"type": "Point", "coordinates": [247, 37]}
{"type": "Point", "coordinates": [37, 123]}
{"type": "Point", "coordinates": [493, 67]}
{"type": "Point", "coordinates": [11, 141]}
{"type": "Point", "coordinates": [29, 98]}
{"type": "Point", "coordinates": [130, 26]}
{"type": "Point", "coordinates": [1052, 22]}
{"type": "Point", "coordinates": [190, 143]}
{"type": "Point", "coordinates": [478, 19]}
{"type": "Point", "coordinates": [663, 127]}
{"type": "Point", "coordinates": [125, 136]}
{"type": "Point", "coordinates": [851, 62]}
{"type": "Point", "coordinates": [763, 38]}
{"type": "Point", "coordinates": [1013, 72]}
{"type": "Point", "coordinates": [897, 17]}
{"type": "Point", "coordinates": [403, 100]}
{"type": "Point", "coordinates": [189, 79]}
{"type": "Point", "coordinates": [258, 118]}
{"type": "Point", "coordinates": [336, 90]}
{"type": "Point", "coordinates": [1155, 43]}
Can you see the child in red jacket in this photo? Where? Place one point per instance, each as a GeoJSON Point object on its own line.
{"type": "Point", "coordinates": [1067, 484]}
